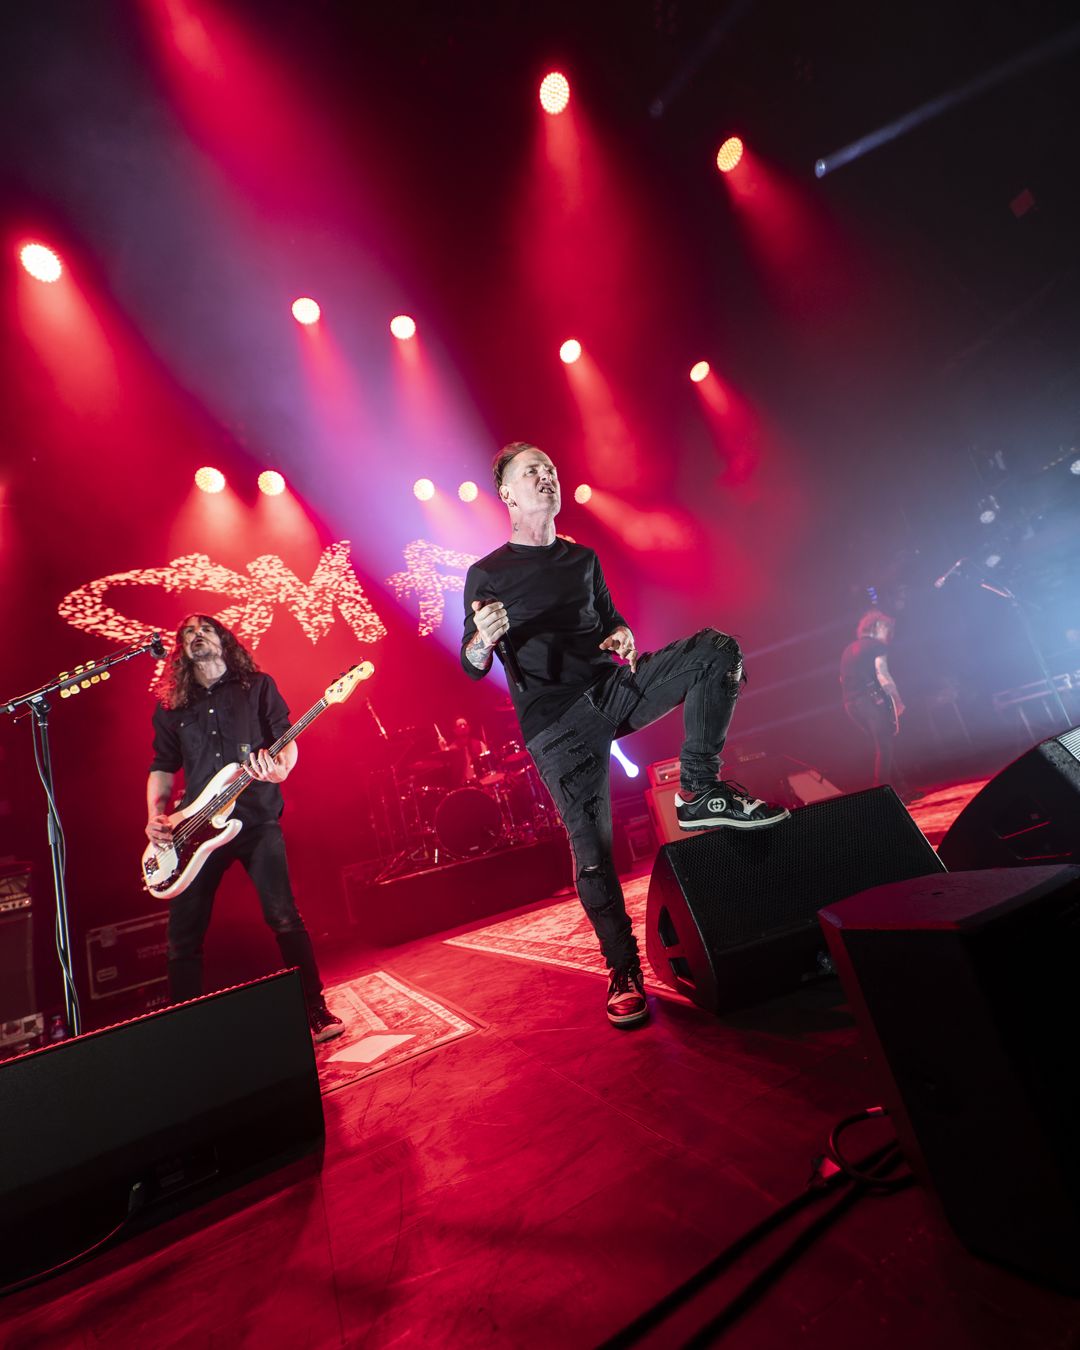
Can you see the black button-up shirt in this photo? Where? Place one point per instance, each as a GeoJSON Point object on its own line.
{"type": "Point", "coordinates": [223, 726]}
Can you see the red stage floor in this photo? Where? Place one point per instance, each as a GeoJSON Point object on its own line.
{"type": "Point", "coordinates": [536, 1178]}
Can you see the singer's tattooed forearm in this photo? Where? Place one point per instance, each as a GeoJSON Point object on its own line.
{"type": "Point", "coordinates": [479, 653]}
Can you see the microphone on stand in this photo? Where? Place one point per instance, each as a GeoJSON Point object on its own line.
{"type": "Point", "coordinates": [157, 647]}
{"type": "Point", "coordinates": [954, 568]}
{"type": "Point", "coordinates": [378, 723]}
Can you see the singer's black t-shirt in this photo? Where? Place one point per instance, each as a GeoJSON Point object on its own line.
{"type": "Point", "coordinates": [560, 611]}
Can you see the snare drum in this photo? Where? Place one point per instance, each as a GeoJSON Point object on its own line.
{"type": "Point", "coordinates": [487, 771]}
{"type": "Point", "coordinates": [512, 756]}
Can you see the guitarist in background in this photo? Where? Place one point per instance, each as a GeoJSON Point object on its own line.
{"type": "Point", "coordinates": [871, 698]}
{"type": "Point", "coordinates": [216, 708]}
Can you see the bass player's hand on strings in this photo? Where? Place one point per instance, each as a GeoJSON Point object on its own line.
{"type": "Point", "coordinates": [269, 768]}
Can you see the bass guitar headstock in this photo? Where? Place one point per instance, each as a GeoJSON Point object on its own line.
{"type": "Point", "coordinates": [343, 686]}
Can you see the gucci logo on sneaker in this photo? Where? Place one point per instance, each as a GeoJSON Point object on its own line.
{"type": "Point", "coordinates": [717, 804]}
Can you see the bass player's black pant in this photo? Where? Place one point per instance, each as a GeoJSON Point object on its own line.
{"type": "Point", "coordinates": [261, 849]}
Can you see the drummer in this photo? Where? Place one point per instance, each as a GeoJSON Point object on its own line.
{"type": "Point", "coordinates": [471, 748]}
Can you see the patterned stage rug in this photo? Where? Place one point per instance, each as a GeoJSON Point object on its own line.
{"type": "Point", "coordinates": [562, 936]}
{"type": "Point", "coordinates": [386, 1022]}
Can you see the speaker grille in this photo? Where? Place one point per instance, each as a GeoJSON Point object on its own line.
{"type": "Point", "coordinates": [751, 883]}
{"type": "Point", "coordinates": [1070, 740]}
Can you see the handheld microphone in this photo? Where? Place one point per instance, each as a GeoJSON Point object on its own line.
{"type": "Point", "coordinates": [510, 662]}
{"type": "Point", "coordinates": [954, 568]}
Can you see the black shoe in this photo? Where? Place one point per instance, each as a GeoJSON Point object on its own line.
{"type": "Point", "coordinates": [727, 804]}
{"type": "Point", "coordinates": [626, 1004]}
{"type": "Point", "coordinates": [324, 1025]}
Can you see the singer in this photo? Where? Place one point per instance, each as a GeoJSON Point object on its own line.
{"type": "Point", "coordinates": [542, 603]}
{"type": "Point", "coordinates": [215, 708]}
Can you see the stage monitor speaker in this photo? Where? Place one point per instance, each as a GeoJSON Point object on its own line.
{"type": "Point", "coordinates": [732, 914]}
{"type": "Point", "coordinates": [152, 1117]}
{"type": "Point", "coordinates": [1029, 815]}
{"type": "Point", "coordinates": [965, 989]}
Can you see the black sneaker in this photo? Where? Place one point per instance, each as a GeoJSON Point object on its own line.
{"type": "Point", "coordinates": [626, 1004]}
{"type": "Point", "coordinates": [324, 1025]}
{"type": "Point", "coordinates": [727, 804]}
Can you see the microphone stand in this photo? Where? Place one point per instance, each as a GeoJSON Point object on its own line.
{"type": "Point", "coordinates": [1036, 650]}
{"type": "Point", "coordinates": [36, 702]}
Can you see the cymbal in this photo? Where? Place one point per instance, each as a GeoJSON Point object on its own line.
{"type": "Point", "coordinates": [407, 733]}
{"type": "Point", "coordinates": [435, 760]}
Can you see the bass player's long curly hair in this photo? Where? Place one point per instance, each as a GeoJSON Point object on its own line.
{"type": "Point", "coordinates": [178, 685]}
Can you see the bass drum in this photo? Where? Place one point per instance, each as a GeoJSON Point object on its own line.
{"type": "Point", "coordinates": [468, 822]}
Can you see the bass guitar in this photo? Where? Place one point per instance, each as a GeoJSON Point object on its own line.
{"type": "Point", "coordinates": [204, 825]}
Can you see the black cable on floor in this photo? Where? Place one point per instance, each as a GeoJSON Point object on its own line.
{"type": "Point", "coordinates": [135, 1203]}
{"type": "Point", "coordinates": [887, 1156]}
{"type": "Point", "coordinates": [742, 1302]}
{"type": "Point", "coordinates": [852, 1170]}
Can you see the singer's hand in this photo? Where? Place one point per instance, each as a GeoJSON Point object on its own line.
{"type": "Point", "coordinates": [621, 642]}
{"type": "Point", "coordinates": [492, 622]}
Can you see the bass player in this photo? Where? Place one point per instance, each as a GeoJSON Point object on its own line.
{"type": "Point", "coordinates": [216, 707]}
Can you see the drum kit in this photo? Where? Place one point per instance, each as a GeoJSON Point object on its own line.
{"type": "Point", "coordinates": [442, 804]}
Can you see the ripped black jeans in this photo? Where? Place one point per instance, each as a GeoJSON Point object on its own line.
{"type": "Point", "coordinates": [573, 756]}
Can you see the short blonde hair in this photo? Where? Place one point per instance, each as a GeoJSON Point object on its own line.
{"type": "Point", "coordinates": [505, 455]}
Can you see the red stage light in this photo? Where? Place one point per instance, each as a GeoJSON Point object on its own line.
{"type": "Point", "coordinates": [402, 327]}
{"type": "Point", "coordinates": [468, 491]}
{"type": "Point", "coordinates": [554, 92]}
{"type": "Point", "coordinates": [209, 480]}
{"type": "Point", "coordinates": [698, 371]}
{"type": "Point", "coordinates": [570, 351]}
{"type": "Point", "coordinates": [583, 494]}
{"type": "Point", "coordinates": [423, 489]}
{"type": "Point", "coordinates": [729, 154]}
{"type": "Point", "coordinates": [305, 310]}
{"type": "Point", "coordinates": [271, 482]}
{"type": "Point", "coordinates": [41, 262]}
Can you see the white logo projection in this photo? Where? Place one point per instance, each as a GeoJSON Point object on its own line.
{"type": "Point", "coordinates": [253, 596]}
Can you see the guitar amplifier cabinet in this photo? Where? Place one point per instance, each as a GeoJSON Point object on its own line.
{"type": "Point", "coordinates": [660, 803]}
{"type": "Point", "coordinates": [124, 956]}
{"type": "Point", "coordinates": [17, 995]}
{"type": "Point", "coordinates": [663, 772]}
